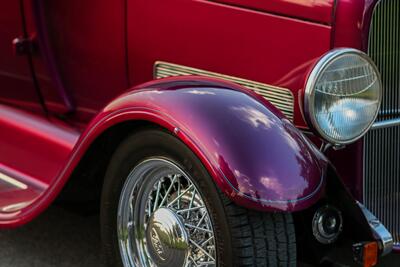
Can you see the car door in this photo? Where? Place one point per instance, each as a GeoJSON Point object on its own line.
{"type": "Point", "coordinates": [21, 117]}
{"type": "Point", "coordinates": [16, 83]}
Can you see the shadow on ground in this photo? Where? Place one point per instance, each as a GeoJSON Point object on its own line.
{"type": "Point", "coordinates": [65, 239]}
{"type": "Point", "coordinates": [57, 238]}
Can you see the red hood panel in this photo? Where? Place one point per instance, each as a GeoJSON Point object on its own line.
{"type": "Point", "coordinates": [313, 10]}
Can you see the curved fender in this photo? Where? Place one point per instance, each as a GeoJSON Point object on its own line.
{"type": "Point", "coordinates": [255, 155]}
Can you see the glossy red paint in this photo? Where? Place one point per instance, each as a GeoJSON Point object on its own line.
{"type": "Point", "coordinates": [237, 41]}
{"type": "Point", "coordinates": [82, 62]}
{"type": "Point", "coordinates": [46, 72]}
{"type": "Point", "coordinates": [317, 11]}
{"type": "Point", "coordinates": [23, 135]}
{"type": "Point", "coordinates": [352, 22]}
{"type": "Point", "coordinates": [33, 150]}
{"type": "Point", "coordinates": [238, 139]}
{"type": "Point", "coordinates": [352, 177]}
{"type": "Point", "coordinates": [213, 118]}
{"type": "Point", "coordinates": [91, 51]}
{"type": "Point", "coordinates": [15, 71]}
{"type": "Point", "coordinates": [351, 29]}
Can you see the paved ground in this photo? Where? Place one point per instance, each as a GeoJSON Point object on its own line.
{"type": "Point", "coordinates": [57, 238]}
{"type": "Point", "coordinates": [63, 239]}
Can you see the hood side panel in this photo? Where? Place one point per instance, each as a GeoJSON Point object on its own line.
{"type": "Point", "coordinates": [312, 10]}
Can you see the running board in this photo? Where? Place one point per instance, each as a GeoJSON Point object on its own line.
{"type": "Point", "coordinates": [17, 184]}
{"type": "Point", "coordinates": [33, 151]}
{"type": "Point", "coordinates": [17, 191]}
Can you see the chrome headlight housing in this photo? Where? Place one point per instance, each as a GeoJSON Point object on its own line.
{"type": "Point", "coordinates": [343, 95]}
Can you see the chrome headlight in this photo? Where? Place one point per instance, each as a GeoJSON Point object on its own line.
{"type": "Point", "coordinates": [343, 95]}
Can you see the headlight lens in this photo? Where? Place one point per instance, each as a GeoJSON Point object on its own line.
{"type": "Point", "coordinates": [343, 96]}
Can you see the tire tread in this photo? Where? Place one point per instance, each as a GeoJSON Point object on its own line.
{"type": "Point", "coordinates": [261, 239]}
{"type": "Point", "coordinates": [245, 238]}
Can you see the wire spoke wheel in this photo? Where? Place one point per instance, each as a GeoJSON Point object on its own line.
{"type": "Point", "coordinates": [160, 207]}
{"type": "Point", "coordinates": [163, 220]}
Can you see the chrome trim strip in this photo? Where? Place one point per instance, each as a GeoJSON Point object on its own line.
{"type": "Point", "coordinates": [385, 124]}
{"type": "Point", "coordinates": [281, 98]}
{"type": "Point", "coordinates": [12, 181]}
{"type": "Point", "coordinates": [381, 234]}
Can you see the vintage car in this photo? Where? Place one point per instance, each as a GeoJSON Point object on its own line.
{"type": "Point", "coordinates": [207, 132]}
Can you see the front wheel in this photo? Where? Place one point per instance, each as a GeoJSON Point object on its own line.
{"type": "Point", "coordinates": [161, 208]}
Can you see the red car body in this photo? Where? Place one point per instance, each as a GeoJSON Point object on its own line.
{"type": "Point", "coordinates": [74, 72]}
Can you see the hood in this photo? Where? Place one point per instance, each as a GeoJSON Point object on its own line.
{"type": "Point", "coordinates": [319, 11]}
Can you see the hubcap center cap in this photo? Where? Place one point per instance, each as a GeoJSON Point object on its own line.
{"type": "Point", "coordinates": [167, 239]}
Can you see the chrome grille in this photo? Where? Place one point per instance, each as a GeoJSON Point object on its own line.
{"type": "Point", "coordinates": [281, 98]}
{"type": "Point", "coordinates": [381, 177]}
{"type": "Point", "coordinates": [382, 145]}
{"type": "Point", "coordinates": [384, 49]}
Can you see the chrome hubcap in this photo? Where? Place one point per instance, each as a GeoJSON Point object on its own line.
{"type": "Point", "coordinates": [169, 242]}
{"type": "Point", "coordinates": [163, 220]}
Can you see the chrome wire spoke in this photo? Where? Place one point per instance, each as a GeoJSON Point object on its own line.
{"type": "Point", "coordinates": [168, 198]}
{"type": "Point", "coordinates": [176, 176]}
{"type": "Point", "coordinates": [193, 260]}
{"type": "Point", "coordinates": [196, 220]}
{"type": "Point", "coordinates": [198, 228]}
{"type": "Point", "coordinates": [189, 209]}
{"type": "Point", "coordinates": [157, 195]}
{"type": "Point", "coordinates": [206, 263]}
{"type": "Point", "coordinates": [179, 192]}
{"type": "Point", "coordinates": [208, 240]}
{"type": "Point", "coordinates": [202, 249]}
{"type": "Point", "coordinates": [191, 202]}
{"type": "Point", "coordinates": [149, 208]}
{"type": "Point", "coordinates": [201, 220]}
{"type": "Point", "coordinates": [179, 196]}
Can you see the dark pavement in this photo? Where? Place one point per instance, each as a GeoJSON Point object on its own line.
{"type": "Point", "coordinates": [62, 238]}
{"type": "Point", "coordinates": [57, 238]}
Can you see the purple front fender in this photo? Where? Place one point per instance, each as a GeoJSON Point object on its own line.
{"type": "Point", "coordinates": [254, 154]}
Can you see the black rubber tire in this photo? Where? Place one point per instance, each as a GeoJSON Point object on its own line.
{"type": "Point", "coordinates": [243, 237]}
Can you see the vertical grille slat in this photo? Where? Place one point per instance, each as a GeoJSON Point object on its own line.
{"type": "Point", "coordinates": [382, 146]}
{"type": "Point", "coordinates": [382, 186]}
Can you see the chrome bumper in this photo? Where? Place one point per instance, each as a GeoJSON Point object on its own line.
{"type": "Point", "coordinates": [381, 234]}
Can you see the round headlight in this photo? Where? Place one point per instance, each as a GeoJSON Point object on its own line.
{"type": "Point", "coordinates": [343, 95]}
